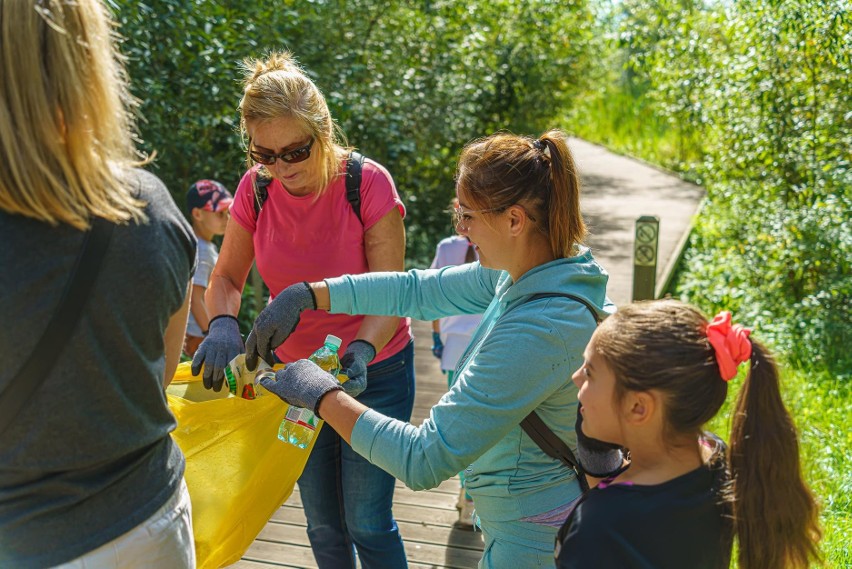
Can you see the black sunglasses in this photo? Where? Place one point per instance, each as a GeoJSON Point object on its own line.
{"type": "Point", "coordinates": [297, 155]}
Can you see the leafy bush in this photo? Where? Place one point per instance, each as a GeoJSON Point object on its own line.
{"type": "Point", "coordinates": [409, 82]}
{"type": "Point", "coordinates": [751, 99]}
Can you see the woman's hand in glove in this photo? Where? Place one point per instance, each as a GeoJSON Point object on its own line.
{"type": "Point", "coordinates": [277, 321]}
{"type": "Point", "coordinates": [437, 345]}
{"type": "Point", "coordinates": [222, 344]}
{"type": "Point", "coordinates": [302, 383]}
{"type": "Point", "coordinates": [359, 353]}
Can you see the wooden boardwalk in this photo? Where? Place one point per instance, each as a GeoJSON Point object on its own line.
{"type": "Point", "coordinates": [617, 190]}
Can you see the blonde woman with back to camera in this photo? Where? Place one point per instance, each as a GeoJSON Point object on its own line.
{"type": "Point", "coordinates": [89, 476]}
{"type": "Point", "coordinates": [306, 230]}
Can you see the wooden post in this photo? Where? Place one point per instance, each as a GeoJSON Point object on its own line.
{"type": "Point", "coordinates": [645, 257]}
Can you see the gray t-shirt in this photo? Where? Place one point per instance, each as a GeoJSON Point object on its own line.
{"type": "Point", "coordinates": [89, 457]}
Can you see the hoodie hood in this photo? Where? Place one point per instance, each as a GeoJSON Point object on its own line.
{"type": "Point", "coordinates": [580, 275]}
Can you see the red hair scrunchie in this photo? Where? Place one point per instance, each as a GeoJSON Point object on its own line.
{"type": "Point", "coordinates": [730, 342]}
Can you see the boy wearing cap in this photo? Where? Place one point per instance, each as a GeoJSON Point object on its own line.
{"type": "Point", "coordinates": [207, 203]}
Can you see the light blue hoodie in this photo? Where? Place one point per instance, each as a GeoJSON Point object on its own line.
{"type": "Point", "coordinates": [520, 359]}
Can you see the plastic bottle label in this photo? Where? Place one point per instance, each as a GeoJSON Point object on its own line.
{"type": "Point", "coordinates": [303, 417]}
{"type": "Point", "coordinates": [231, 380]}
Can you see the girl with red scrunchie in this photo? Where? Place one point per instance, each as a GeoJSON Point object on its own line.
{"type": "Point", "coordinates": [654, 374]}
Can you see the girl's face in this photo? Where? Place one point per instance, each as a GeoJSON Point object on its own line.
{"type": "Point", "coordinates": [601, 419]}
{"type": "Point", "coordinates": [282, 135]}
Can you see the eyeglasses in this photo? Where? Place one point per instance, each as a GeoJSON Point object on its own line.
{"type": "Point", "coordinates": [294, 156]}
{"type": "Point", "coordinates": [462, 217]}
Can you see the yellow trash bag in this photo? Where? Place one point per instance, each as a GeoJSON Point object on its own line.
{"type": "Point", "coordinates": [237, 471]}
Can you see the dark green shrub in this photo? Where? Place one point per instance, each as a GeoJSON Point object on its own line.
{"type": "Point", "coordinates": [409, 82]}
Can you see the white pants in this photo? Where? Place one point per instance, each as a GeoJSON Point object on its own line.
{"type": "Point", "coordinates": [164, 541]}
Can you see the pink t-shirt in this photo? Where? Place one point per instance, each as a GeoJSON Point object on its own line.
{"type": "Point", "coordinates": [305, 238]}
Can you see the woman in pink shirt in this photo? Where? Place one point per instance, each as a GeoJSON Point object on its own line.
{"type": "Point", "coordinates": [307, 230]}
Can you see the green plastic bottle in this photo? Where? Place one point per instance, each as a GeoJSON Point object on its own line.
{"type": "Point", "coordinates": [300, 425]}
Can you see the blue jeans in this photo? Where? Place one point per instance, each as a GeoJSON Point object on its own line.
{"type": "Point", "coordinates": [348, 501]}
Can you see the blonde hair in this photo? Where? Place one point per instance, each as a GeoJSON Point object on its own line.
{"type": "Point", "coordinates": [503, 169]}
{"type": "Point", "coordinates": [66, 129]}
{"type": "Point", "coordinates": [277, 87]}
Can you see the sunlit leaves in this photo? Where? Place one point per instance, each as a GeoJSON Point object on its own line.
{"type": "Point", "coordinates": [751, 99]}
{"type": "Point", "coordinates": [409, 82]}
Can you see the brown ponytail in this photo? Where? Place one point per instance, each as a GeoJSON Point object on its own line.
{"type": "Point", "coordinates": [502, 170]}
{"type": "Point", "coordinates": [767, 490]}
{"type": "Point", "coordinates": [566, 227]}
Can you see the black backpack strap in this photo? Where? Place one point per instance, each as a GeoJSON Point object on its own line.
{"type": "Point", "coordinates": [59, 328]}
{"type": "Point", "coordinates": [553, 446]}
{"type": "Point", "coordinates": [262, 179]}
{"type": "Point", "coordinates": [539, 432]}
{"type": "Point", "coordinates": [354, 166]}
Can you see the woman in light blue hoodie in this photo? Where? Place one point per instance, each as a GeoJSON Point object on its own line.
{"type": "Point", "coordinates": [519, 204]}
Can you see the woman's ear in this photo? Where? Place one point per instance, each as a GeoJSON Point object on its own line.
{"type": "Point", "coordinates": [518, 219]}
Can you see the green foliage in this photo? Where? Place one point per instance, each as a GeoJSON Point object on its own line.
{"type": "Point", "coordinates": [409, 82]}
{"type": "Point", "coordinates": [753, 100]}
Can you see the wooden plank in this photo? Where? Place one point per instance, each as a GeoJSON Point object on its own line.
{"type": "Point", "coordinates": [402, 496]}
{"type": "Point", "coordinates": [293, 531]}
{"type": "Point", "coordinates": [402, 513]}
{"type": "Point", "coordinates": [287, 553]}
{"type": "Point", "coordinates": [425, 535]}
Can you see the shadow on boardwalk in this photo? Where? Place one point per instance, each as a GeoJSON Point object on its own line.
{"type": "Point", "coordinates": [617, 190]}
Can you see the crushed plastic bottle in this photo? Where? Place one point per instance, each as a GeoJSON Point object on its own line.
{"type": "Point", "coordinates": [241, 381]}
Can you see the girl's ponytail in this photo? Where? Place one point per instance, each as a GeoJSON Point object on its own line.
{"type": "Point", "coordinates": [767, 488]}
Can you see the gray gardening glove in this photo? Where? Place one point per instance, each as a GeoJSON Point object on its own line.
{"type": "Point", "coordinates": [358, 355]}
{"type": "Point", "coordinates": [302, 384]}
{"type": "Point", "coordinates": [222, 344]}
{"type": "Point", "coordinates": [277, 321]}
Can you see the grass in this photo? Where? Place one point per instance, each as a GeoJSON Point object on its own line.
{"type": "Point", "coordinates": [630, 126]}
